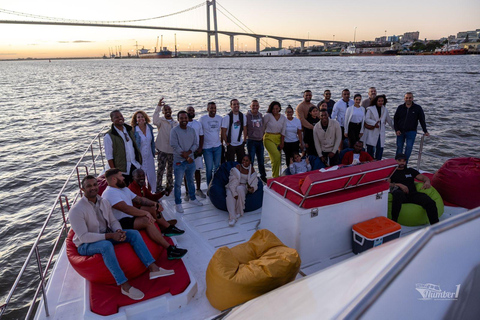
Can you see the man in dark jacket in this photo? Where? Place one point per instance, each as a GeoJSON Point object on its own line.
{"type": "Point", "coordinates": [406, 122]}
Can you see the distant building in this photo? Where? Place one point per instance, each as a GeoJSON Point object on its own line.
{"type": "Point", "coordinates": [472, 35]}
{"type": "Point", "coordinates": [275, 52]}
{"type": "Point", "coordinates": [410, 36]}
{"type": "Point", "coordinates": [381, 39]}
{"type": "Point", "coordinates": [393, 38]}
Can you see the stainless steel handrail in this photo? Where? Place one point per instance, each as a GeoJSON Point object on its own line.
{"type": "Point", "coordinates": [34, 249]}
{"type": "Point", "coordinates": [371, 294]}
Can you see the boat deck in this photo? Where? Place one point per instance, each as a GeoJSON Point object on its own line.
{"type": "Point", "coordinates": [206, 230]}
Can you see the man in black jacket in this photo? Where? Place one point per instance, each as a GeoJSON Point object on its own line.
{"type": "Point", "coordinates": [406, 122]}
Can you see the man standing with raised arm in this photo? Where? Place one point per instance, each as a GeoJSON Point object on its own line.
{"type": "Point", "coordinates": [234, 132]}
{"type": "Point", "coordinates": [162, 143]}
{"type": "Point", "coordinates": [303, 107]}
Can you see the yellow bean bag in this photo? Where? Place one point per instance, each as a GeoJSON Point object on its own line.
{"type": "Point", "coordinates": [249, 270]}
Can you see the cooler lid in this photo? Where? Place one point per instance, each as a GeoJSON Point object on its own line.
{"type": "Point", "coordinates": [376, 227]}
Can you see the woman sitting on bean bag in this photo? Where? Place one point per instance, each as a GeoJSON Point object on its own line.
{"type": "Point", "coordinates": [242, 180]}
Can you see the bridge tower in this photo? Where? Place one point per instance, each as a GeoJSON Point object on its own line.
{"type": "Point", "coordinates": [213, 4]}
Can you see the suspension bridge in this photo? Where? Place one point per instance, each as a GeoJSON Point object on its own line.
{"type": "Point", "coordinates": [211, 31]}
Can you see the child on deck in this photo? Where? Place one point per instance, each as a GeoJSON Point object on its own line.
{"type": "Point", "coordinates": [299, 165]}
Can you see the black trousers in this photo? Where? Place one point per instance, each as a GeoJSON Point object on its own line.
{"type": "Point", "coordinates": [354, 133]}
{"type": "Point", "coordinates": [289, 148]}
{"type": "Point", "coordinates": [400, 197]}
{"type": "Point", "coordinates": [232, 151]}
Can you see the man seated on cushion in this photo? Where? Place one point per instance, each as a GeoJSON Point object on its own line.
{"type": "Point", "coordinates": [140, 188]}
{"type": "Point", "coordinates": [402, 186]}
{"type": "Point", "coordinates": [122, 199]}
{"type": "Point", "coordinates": [357, 155]}
{"type": "Point", "coordinates": [93, 222]}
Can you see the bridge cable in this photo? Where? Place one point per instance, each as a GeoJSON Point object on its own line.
{"type": "Point", "coordinates": [93, 21]}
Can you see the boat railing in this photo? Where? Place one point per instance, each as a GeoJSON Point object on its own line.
{"type": "Point", "coordinates": [91, 160]}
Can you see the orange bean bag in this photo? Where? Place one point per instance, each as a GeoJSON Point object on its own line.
{"type": "Point", "coordinates": [249, 270]}
{"type": "Point", "coordinates": [94, 269]}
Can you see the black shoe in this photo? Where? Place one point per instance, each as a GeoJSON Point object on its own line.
{"type": "Point", "coordinates": [172, 231]}
{"type": "Point", "coordinates": [175, 253]}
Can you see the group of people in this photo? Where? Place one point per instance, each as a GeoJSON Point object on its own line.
{"type": "Point", "coordinates": [309, 141]}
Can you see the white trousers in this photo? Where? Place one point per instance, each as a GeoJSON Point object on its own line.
{"type": "Point", "coordinates": [236, 206]}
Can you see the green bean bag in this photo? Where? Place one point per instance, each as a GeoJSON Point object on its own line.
{"type": "Point", "coordinates": [414, 215]}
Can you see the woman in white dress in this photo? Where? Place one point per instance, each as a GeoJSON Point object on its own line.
{"type": "Point", "coordinates": [242, 180]}
{"type": "Point", "coordinates": [375, 126]}
{"type": "Point", "coordinates": [146, 143]}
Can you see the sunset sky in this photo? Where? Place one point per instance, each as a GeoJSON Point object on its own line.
{"type": "Point", "coordinates": [301, 18]}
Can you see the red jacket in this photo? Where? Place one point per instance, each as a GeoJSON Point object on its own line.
{"type": "Point", "coordinates": [143, 192]}
{"type": "Point", "coordinates": [348, 157]}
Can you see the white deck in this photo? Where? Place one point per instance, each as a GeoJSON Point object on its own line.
{"type": "Point", "coordinates": [206, 230]}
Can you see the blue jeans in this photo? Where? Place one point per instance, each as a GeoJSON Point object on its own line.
{"type": "Point", "coordinates": [377, 151]}
{"type": "Point", "coordinates": [255, 147]}
{"type": "Point", "coordinates": [212, 157]}
{"type": "Point", "coordinates": [105, 248]}
{"type": "Point", "coordinates": [409, 136]}
{"type": "Point", "coordinates": [181, 169]}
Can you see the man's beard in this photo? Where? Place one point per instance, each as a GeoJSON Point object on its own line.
{"type": "Point", "coordinates": [190, 116]}
{"type": "Point", "coordinates": [121, 184]}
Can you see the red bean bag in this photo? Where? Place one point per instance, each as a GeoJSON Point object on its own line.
{"type": "Point", "coordinates": [93, 268]}
{"type": "Point", "coordinates": [458, 182]}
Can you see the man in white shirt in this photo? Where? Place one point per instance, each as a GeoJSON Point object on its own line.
{"type": "Point", "coordinates": [340, 108]}
{"type": "Point", "coordinates": [212, 145]}
{"type": "Point", "coordinates": [195, 125]}
{"type": "Point", "coordinates": [121, 149]}
{"type": "Point", "coordinates": [234, 132]}
{"type": "Point", "coordinates": [121, 199]}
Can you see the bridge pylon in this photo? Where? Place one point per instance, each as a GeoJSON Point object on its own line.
{"type": "Point", "coordinates": [213, 4]}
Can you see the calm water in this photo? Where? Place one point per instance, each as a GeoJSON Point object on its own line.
{"type": "Point", "coordinates": [52, 110]}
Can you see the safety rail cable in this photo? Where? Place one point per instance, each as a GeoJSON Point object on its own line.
{"type": "Point", "coordinates": [357, 308]}
{"type": "Point", "coordinates": [34, 249]}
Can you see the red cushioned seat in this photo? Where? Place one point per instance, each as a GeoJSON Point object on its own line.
{"type": "Point", "coordinates": [106, 299]}
{"type": "Point", "coordinates": [93, 268]}
{"type": "Point", "coordinates": [333, 190]}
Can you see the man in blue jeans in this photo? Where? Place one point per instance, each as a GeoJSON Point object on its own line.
{"type": "Point", "coordinates": [184, 142]}
{"type": "Point", "coordinates": [255, 138]}
{"type": "Point", "coordinates": [93, 222]}
{"type": "Point", "coordinates": [406, 122]}
{"type": "Point", "coordinates": [212, 145]}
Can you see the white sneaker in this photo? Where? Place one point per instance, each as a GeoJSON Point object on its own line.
{"type": "Point", "coordinates": [237, 216]}
{"type": "Point", "coordinates": [186, 197]}
{"type": "Point", "coordinates": [196, 202]}
{"type": "Point", "coordinates": [133, 293]}
{"type": "Point", "coordinates": [161, 273]}
{"type": "Point", "coordinates": [199, 193]}
{"type": "Point", "coordinates": [232, 222]}
{"type": "Point", "coordinates": [179, 208]}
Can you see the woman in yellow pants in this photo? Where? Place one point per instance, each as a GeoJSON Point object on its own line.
{"type": "Point", "coordinates": [274, 125]}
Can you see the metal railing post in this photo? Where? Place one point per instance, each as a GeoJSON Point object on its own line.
{"type": "Point", "coordinates": [42, 279]}
{"type": "Point", "coordinates": [100, 149]}
{"type": "Point", "coordinates": [420, 150]}
{"type": "Point", "coordinates": [93, 159]}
